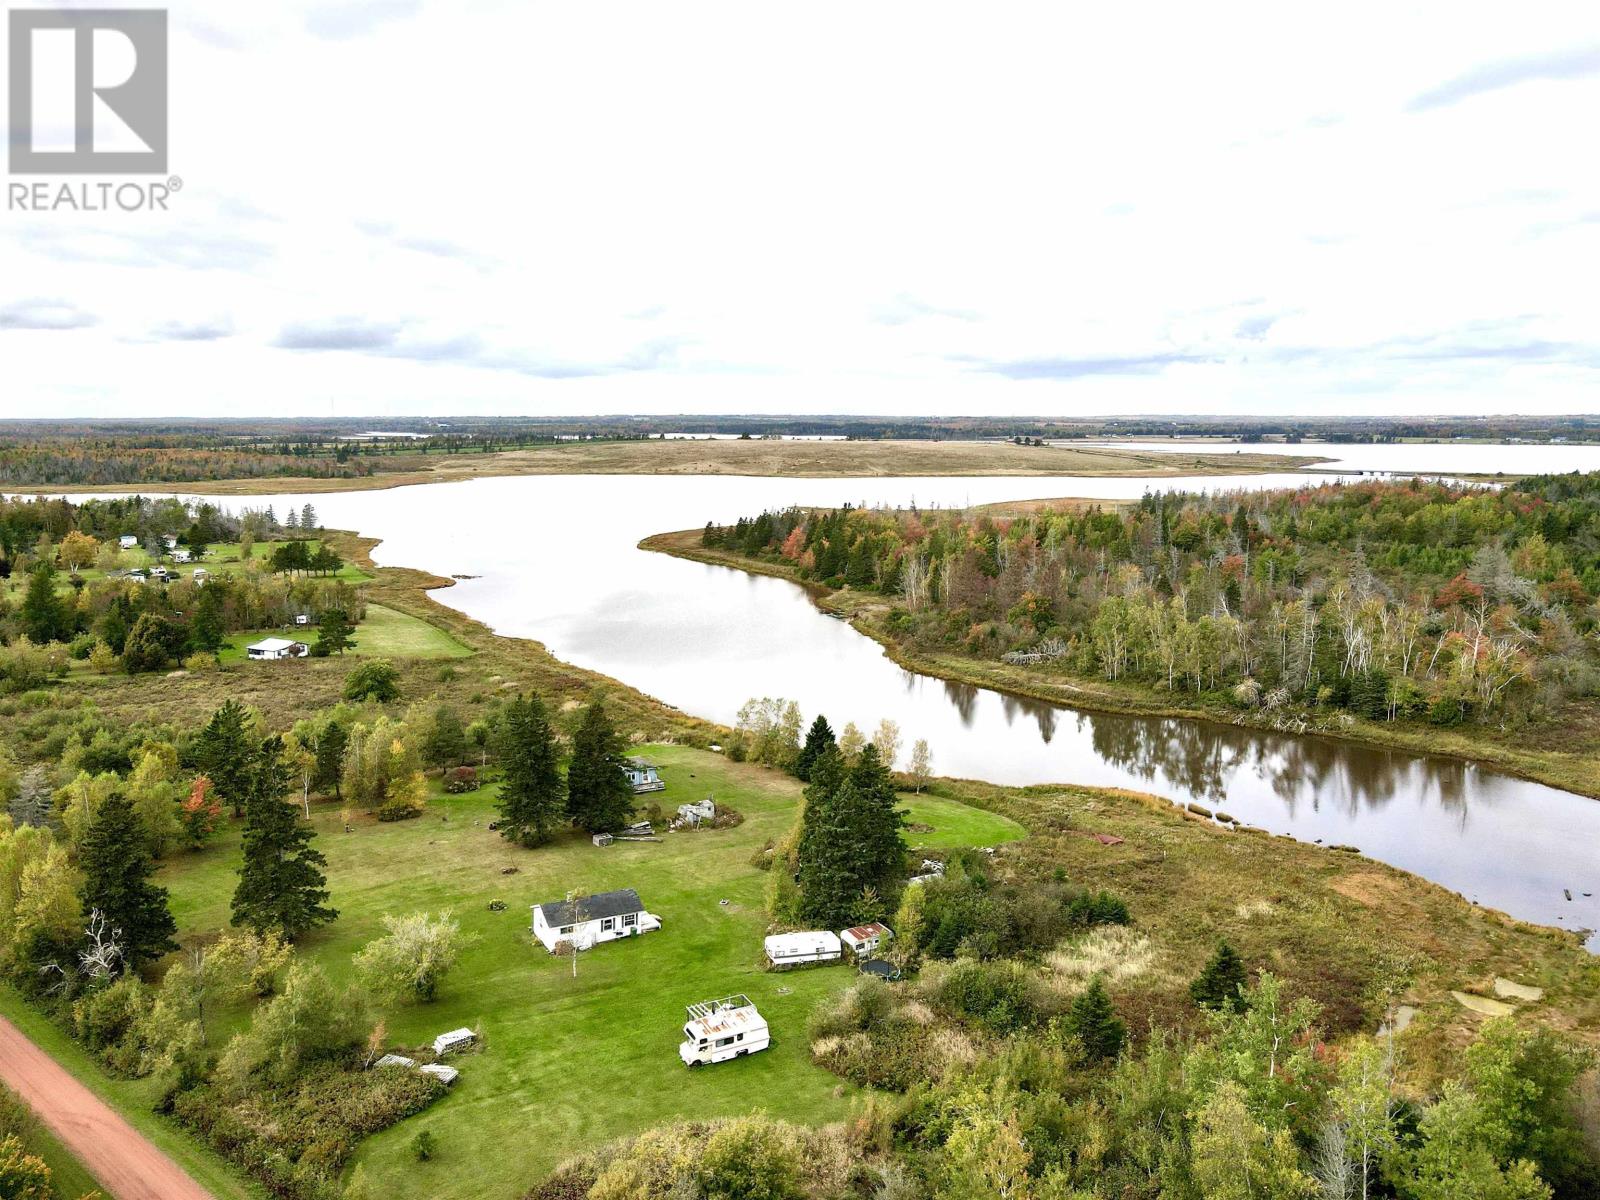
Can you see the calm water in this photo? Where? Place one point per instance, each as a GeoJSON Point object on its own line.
{"type": "Point", "coordinates": [556, 560]}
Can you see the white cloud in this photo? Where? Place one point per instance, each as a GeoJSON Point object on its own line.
{"type": "Point", "coordinates": [427, 206]}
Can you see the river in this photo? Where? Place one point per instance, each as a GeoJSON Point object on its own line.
{"type": "Point", "coordinates": [555, 558]}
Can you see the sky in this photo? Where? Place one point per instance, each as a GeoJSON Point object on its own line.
{"type": "Point", "coordinates": [411, 207]}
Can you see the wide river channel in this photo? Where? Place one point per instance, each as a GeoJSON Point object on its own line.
{"type": "Point", "coordinates": [555, 558]}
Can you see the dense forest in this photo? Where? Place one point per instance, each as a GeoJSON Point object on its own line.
{"type": "Point", "coordinates": [1388, 599]}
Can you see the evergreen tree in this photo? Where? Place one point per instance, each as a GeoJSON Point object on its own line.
{"type": "Point", "coordinates": [599, 797]}
{"type": "Point", "coordinates": [281, 881]}
{"type": "Point", "coordinates": [206, 630]}
{"type": "Point", "coordinates": [1095, 1024]}
{"type": "Point", "coordinates": [336, 631]}
{"type": "Point", "coordinates": [531, 800]}
{"type": "Point", "coordinates": [878, 821]}
{"type": "Point", "coordinates": [223, 754]}
{"type": "Point", "coordinates": [446, 742]}
{"type": "Point", "coordinates": [829, 859]}
{"type": "Point", "coordinates": [45, 617]}
{"type": "Point", "coordinates": [818, 738]}
{"type": "Point", "coordinates": [118, 619]}
{"type": "Point", "coordinates": [116, 864]}
{"type": "Point", "coordinates": [1220, 985]}
{"type": "Point", "coordinates": [147, 646]}
{"type": "Point", "coordinates": [328, 770]}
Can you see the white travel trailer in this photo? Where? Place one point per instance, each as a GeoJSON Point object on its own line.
{"type": "Point", "coordinates": [792, 949]}
{"type": "Point", "coordinates": [718, 1030]}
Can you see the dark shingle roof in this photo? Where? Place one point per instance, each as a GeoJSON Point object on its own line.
{"type": "Point", "coordinates": [593, 908]}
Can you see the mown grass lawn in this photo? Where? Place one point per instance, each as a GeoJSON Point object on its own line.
{"type": "Point", "coordinates": [385, 633]}
{"type": "Point", "coordinates": [568, 1063]}
{"type": "Point", "coordinates": [956, 824]}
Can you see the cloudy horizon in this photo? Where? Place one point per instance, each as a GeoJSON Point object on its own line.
{"type": "Point", "coordinates": [408, 207]}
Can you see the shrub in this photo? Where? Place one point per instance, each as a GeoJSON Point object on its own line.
{"type": "Point", "coordinates": [461, 779]}
{"type": "Point", "coordinates": [424, 1146]}
{"type": "Point", "coordinates": [200, 661]}
{"type": "Point", "coordinates": [1002, 996]}
{"type": "Point", "coordinates": [376, 679]}
{"type": "Point", "coordinates": [1097, 908]}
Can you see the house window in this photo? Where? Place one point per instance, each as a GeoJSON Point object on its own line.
{"type": "Point", "coordinates": [629, 919]}
{"type": "Point", "coordinates": [566, 929]}
{"type": "Point", "coordinates": [608, 925]}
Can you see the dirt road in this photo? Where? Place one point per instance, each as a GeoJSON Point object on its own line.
{"type": "Point", "coordinates": [127, 1166]}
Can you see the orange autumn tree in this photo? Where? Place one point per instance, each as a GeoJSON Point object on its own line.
{"type": "Point", "coordinates": [200, 812]}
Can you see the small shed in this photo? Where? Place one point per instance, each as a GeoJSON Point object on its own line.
{"type": "Point", "coordinates": [277, 648]}
{"type": "Point", "coordinates": [456, 1039]}
{"type": "Point", "coordinates": [602, 839]}
{"type": "Point", "coordinates": [864, 940]}
{"type": "Point", "coordinates": [446, 1075]}
{"type": "Point", "coordinates": [302, 618]}
{"type": "Point", "coordinates": [395, 1060]}
{"type": "Point", "coordinates": [644, 776]}
{"type": "Point", "coordinates": [809, 946]}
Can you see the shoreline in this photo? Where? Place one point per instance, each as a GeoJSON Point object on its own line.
{"type": "Point", "coordinates": [1575, 776]}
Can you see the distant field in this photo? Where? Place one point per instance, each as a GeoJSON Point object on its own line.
{"type": "Point", "coordinates": [780, 458]}
{"type": "Point", "coordinates": [384, 634]}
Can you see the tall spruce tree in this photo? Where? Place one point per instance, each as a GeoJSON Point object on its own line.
{"type": "Point", "coordinates": [116, 864]}
{"type": "Point", "coordinates": [1220, 985]}
{"type": "Point", "coordinates": [281, 881]}
{"type": "Point", "coordinates": [531, 796]}
{"type": "Point", "coordinates": [224, 755]}
{"type": "Point", "coordinates": [599, 797]}
{"type": "Point", "coordinates": [45, 617]}
{"type": "Point", "coordinates": [206, 629]}
{"type": "Point", "coordinates": [336, 634]}
{"type": "Point", "coordinates": [883, 850]}
{"type": "Point", "coordinates": [830, 860]}
{"type": "Point", "coordinates": [818, 738]}
{"type": "Point", "coordinates": [328, 771]}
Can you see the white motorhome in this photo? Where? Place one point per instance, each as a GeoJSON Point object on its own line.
{"type": "Point", "coordinates": [792, 949]}
{"type": "Point", "coordinates": [718, 1030]}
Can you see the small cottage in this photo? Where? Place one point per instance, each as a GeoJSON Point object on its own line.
{"type": "Point", "coordinates": [864, 940]}
{"type": "Point", "coordinates": [590, 920]}
{"type": "Point", "coordinates": [793, 949]}
{"type": "Point", "coordinates": [644, 777]}
{"type": "Point", "coordinates": [277, 648]}
{"type": "Point", "coordinates": [127, 541]}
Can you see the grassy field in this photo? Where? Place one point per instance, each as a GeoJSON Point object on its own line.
{"type": "Point", "coordinates": [384, 633]}
{"type": "Point", "coordinates": [758, 457]}
{"type": "Point", "coordinates": [518, 1108]}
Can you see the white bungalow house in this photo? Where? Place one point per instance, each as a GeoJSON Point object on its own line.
{"type": "Point", "coordinates": [864, 940]}
{"type": "Point", "coordinates": [604, 917]}
{"type": "Point", "coordinates": [718, 1030]}
{"type": "Point", "coordinates": [277, 648]}
{"type": "Point", "coordinates": [127, 541]}
{"type": "Point", "coordinates": [792, 949]}
{"type": "Point", "coordinates": [644, 777]}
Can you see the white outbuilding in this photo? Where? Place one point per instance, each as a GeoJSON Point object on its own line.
{"type": "Point", "coordinates": [446, 1075]}
{"type": "Point", "coordinates": [792, 949]}
{"type": "Point", "coordinates": [127, 541]}
{"type": "Point", "coordinates": [277, 648]}
{"type": "Point", "coordinates": [590, 920]}
{"type": "Point", "coordinates": [718, 1030]}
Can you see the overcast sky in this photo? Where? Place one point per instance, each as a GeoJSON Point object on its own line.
{"type": "Point", "coordinates": [410, 206]}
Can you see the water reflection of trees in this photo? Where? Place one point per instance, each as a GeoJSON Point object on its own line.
{"type": "Point", "coordinates": [1196, 759]}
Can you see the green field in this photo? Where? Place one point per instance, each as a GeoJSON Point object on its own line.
{"type": "Point", "coordinates": [956, 824]}
{"type": "Point", "coordinates": [385, 633]}
{"type": "Point", "coordinates": [568, 1063]}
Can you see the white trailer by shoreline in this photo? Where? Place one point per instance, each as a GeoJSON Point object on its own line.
{"type": "Point", "coordinates": [810, 946]}
{"type": "Point", "coordinates": [719, 1030]}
